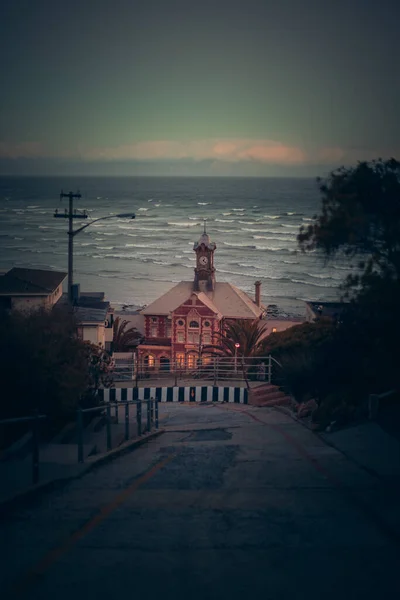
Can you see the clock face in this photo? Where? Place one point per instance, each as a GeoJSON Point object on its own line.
{"type": "Point", "coordinates": [203, 260]}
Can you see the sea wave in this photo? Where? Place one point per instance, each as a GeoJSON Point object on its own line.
{"type": "Point", "coordinates": [224, 220]}
{"type": "Point", "coordinates": [182, 224]}
{"type": "Point", "coordinates": [271, 216]}
{"type": "Point", "coordinates": [203, 203]}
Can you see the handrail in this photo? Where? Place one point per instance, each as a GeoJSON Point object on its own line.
{"type": "Point", "coordinates": [22, 419]}
{"type": "Point", "coordinates": [152, 412]}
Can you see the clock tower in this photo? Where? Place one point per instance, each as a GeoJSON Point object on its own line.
{"type": "Point", "coordinates": [204, 272]}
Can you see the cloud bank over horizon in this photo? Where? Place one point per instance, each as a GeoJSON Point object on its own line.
{"type": "Point", "coordinates": [222, 156]}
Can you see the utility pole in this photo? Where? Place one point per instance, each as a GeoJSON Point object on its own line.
{"type": "Point", "coordinates": [70, 215]}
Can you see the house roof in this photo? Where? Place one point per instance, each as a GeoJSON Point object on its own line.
{"type": "Point", "coordinates": [327, 309]}
{"type": "Point", "coordinates": [30, 282]}
{"type": "Point", "coordinates": [85, 314]}
{"type": "Point", "coordinates": [226, 300]}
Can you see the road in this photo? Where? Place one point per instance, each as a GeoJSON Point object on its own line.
{"type": "Point", "coordinates": [230, 501]}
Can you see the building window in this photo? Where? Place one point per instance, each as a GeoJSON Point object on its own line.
{"type": "Point", "coordinates": [207, 324]}
{"type": "Point", "coordinates": [191, 361]}
{"type": "Point", "coordinates": [181, 323]}
{"type": "Point", "coordinates": [180, 360]}
{"type": "Point", "coordinates": [180, 337]}
{"type": "Point", "coordinates": [153, 331]}
{"type": "Point", "coordinates": [168, 329]}
{"type": "Point", "coordinates": [193, 337]}
{"type": "Point", "coordinates": [149, 361]}
{"type": "Point", "coordinates": [274, 330]}
{"type": "Point", "coordinates": [193, 325]}
{"type": "Point", "coordinates": [206, 338]}
{"type": "Point", "coordinates": [154, 319]}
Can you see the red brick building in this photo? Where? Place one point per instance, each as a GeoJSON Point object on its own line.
{"type": "Point", "coordinates": [181, 322]}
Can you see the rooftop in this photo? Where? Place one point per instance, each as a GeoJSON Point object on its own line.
{"type": "Point", "coordinates": [35, 282]}
{"type": "Point", "coordinates": [225, 300]}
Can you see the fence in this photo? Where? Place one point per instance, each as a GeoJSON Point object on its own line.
{"type": "Point", "coordinates": [35, 420]}
{"type": "Point", "coordinates": [204, 393]}
{"type": "Point", "coordinates": [197, 366]}
{"type": "Point", "coordinates": [152, 417]}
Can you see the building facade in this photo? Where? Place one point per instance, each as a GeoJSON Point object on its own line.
{"type": "Point", "coordinates": [179, 325]}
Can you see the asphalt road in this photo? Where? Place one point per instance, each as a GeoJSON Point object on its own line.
{"type": "Point", "coordinates": [230, 502]}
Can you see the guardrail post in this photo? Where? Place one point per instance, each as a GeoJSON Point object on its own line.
{"type": "Point", "coordinates": [108, 425]}
{"type": "Point", "coordinates": [149, 401]}
{"type": "Point", "coordinates": [35, 448]}
{"type": "Point", "coordinates": [156, 412]}
{"type": "Point", "coordinates": [126, 421]}
{"type": "Point", "coordinates": [269, 368]}
{"type": "Point", "coordinates": [80, 434]}
{"type": "Point", "coordinates": [139, 417]}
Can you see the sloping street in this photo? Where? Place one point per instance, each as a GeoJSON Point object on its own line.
{"type": "Point", "coordinates": [230, 501]}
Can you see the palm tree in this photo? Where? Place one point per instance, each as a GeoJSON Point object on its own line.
{"type": "Point", "coordinates": [239, 340]}
{"type": "Point", "coordinates": [124, 339]}
{"type": "Point", "coordinates": [248, 334]}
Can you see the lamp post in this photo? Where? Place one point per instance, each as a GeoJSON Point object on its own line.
{"type": "Point", "coordinates": [236, 349]}
{"type": "Point", "coordinates": [72, 233]}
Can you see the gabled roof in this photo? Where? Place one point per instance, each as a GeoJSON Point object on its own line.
{"type": "Point", "coordinates": [27, 282]}
{"type": "Point", "coordinates": [226, 300]}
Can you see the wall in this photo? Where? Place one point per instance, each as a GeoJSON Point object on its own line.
{"type": "Point", "coordinates": [205, 393]}
{"type": "Point", "coordinates": [94, 334]}
{"type": "Point", "coordinates": [28, 302]}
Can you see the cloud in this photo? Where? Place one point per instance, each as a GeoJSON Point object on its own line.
{"type": "Point", "coordinates": [21, 150]}
{"type": "Point", "coordinates": [230, 151]}
{"type": "Point", "coordinates": [235, 150]}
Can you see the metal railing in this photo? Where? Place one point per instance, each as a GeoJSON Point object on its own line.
{"type": "Point", "coordinates": [35, 420]}
{"type": "Point", "coordinates": [205, 367]}
{"type": "Point", "coordinates": [152, 417]}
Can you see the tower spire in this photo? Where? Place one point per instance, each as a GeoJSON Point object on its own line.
{"type": "Point", "coordinates": [205, 223]}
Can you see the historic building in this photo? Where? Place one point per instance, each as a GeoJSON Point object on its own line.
{"type": "Point", "coordinates": [179, 324]}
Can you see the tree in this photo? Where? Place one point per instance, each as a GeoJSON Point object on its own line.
{"type": "Point", "coordinates": [360, 218]}
{"type": "Point", "coordinates": [45, 365]}
{"type": "Point", "coordinates": [248, 334]}
{"type": "Point", "coordinates": [124, 339]}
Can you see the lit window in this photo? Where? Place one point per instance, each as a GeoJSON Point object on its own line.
{"type": "Point", "coordinates": [180, 360]}
{"type": "Point", "coordinates": [274, 330]}
{"type": "Point", "coordinates": [149, 361]}
{"type": "Point", "coordinates": [191, 360]}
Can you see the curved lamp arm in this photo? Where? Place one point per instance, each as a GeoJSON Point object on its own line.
{"type": "Point", "coordinates": [120, 216]}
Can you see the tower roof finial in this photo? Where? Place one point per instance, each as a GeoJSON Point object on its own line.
{"type": "Point", "coordinates": [205, 223]}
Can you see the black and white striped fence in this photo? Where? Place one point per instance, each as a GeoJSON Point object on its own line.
{"type": "Point", "coordinates": [202, 393]}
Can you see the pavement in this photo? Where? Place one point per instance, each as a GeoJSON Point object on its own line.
{"type": "Point", "coordinates": [230, 501]}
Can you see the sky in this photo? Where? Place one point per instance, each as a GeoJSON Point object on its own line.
{"type": "Point", "coordinates": [194, 87]}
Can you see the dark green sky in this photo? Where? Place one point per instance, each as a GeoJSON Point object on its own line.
{"type": "Point", "coordinates": [249, 87]}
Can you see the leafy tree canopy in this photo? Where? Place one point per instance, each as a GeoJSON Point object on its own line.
{"type": "Point", "coordinates": [360, 217]}
{"type": "Point", "coordinates": [248, 334]}
{"type": "Point", "coordinates": [45, 366]}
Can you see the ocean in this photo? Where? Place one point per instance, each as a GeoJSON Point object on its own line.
{"type": "Point", "coordinates": [254, 222]}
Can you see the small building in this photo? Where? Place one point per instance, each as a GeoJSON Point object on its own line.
{"type": "Point", "coordinates": [332, 310]}
{"type": "Point", "coordinates": [189, 317]}
{"type": "Point", "coordinates": [30, 289]}
{"type": "Point", "coordinates": [94, 315]}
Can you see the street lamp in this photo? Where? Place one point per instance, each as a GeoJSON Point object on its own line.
{"type": "Point", "coordinates": [72, 233]}
{"type": "Point", "coordinates": [236, 349]}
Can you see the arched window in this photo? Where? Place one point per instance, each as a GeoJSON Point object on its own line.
{"type": "Point", "coordinates": [193, 333]}
{"type": "Point", "coordinates": [193, 325]}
